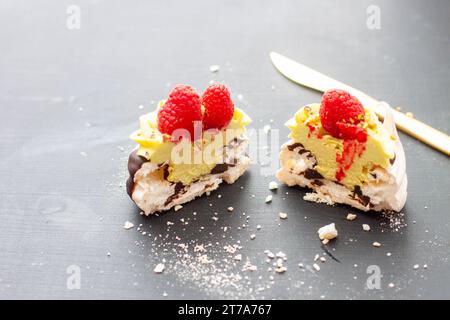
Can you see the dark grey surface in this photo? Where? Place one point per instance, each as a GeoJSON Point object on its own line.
{"type": "Point", "coordinates": [69, 99]}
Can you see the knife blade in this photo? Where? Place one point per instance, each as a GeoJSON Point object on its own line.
{"type": "Point", "coordinates": [313, 79]}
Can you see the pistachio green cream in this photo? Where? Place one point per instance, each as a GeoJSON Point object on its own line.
{"type": "Point", "coordinates": [187, 160]}
{"type": "Point", "coordinates": [307, 129]}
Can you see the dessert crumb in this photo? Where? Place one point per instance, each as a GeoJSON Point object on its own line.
{"type": "Point", "coordinates": [214, 68]}
{"type": "Point", "coordinates": [273, 185]}
{"type": "Point", "coordinates": [351, 216]}
{"type": "Point", "coordinates": [268, 198]}
{"type": "Point", "coordinates": [366, 227]}
{"type": "Point", "coordinates": [128, 225]}
{"type": "Point", "coordinates": [178, 207]}
{"type": "Point", "coordinates": [376, 244]}
{"type": "Point", "coordinates": [282, 215]}
{"type": "Point", "coordinates": [159, 268]}
{"type": "Point", "coordinates": [328, 232]}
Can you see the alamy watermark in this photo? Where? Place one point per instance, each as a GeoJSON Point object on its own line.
{"type": "Point", "coordinates": [73, 281]}
{"type": "Point", "coordinates": [374, 280]}
{"type": "Point", "coordinates": [73, 20]}
{"type": "Point", "coordinates": [373, 21]}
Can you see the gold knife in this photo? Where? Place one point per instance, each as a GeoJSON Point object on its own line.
{"type": "Point", "coordinates": [313, 79]}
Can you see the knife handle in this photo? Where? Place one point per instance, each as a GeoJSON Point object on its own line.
{"type": "Point", "coordinates": [422, 132]}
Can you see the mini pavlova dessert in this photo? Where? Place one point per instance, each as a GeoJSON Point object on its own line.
{"type": "Point", "coordinates": [341, 151]}
{"type": "Point", "coordinates": [187, 147]}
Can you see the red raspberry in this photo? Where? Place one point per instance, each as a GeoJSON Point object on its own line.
{"type": "Point", "coordinates": [218, 107]}
{"type": "Point", "coordinates": [181, 109]}
{"type": "Point", "coordinates": [340, 114]}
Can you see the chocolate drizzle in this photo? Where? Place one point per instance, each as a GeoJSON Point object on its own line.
{"type": "Point", "coordinates": [312, 174]}
{"type": "Point", "coordinates": [135, 162]}
{"type": "Point", "coordinates": [391, 161]}
{"type": "Point", "coordinates": [357, 194]}
{"type": "Point", "coordinates": [221, 167]}
{"type": "Point", "coordinates": [178, 190]}
{"type": "Point", "coordinates": [294, 146]}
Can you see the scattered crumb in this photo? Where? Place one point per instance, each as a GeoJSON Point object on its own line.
{"type": "Point", "coordinates": [204, 259]}
{"type": "Point", "coordinates": [316, 257]}
{"type": "Point", "coordinates": [366, 227]}
{"type": "Point", "coordinates": [273, 185]}
{"type": "Point", "coordinates": [323, 259]}
{"type": "Point", "coordinates": [314, 197]}
{"type": "Point", "coordinates": [282, 215]}
{"type": "Point", "coordinates": [214, 68]}
{"type": "Point", "coordinates": [325, 241]}
{"type": "Point", "coordinates": [266, 128]}
{"type": "Point", "coordinates": [252, 236]}
{"type": "Point", "coordinates": [391, 285]}
{"type": "Point", "coordinates": [416, 266]}
{"type": "Point", "coordinates": [230, 209]}
{"type": "Point", "coordinates": [351, 216]}
{"type": "Point", "coordinates": [128, 225]}
{"type": "Point", "coordinates": [268, 198]}
{"type": "Point", "coordinates": [199, 248]}
{"type": "Point", "coordinates": [281, 255]}
{"type": "Point", "coordinates": [328, 232]}
{"type": "Point", "coordinates": [178, 207]}
{"type": "Point", "coordinates": [316, 267]}
{"type": "Point", "coordinates": [238, 257]}
{"type": "Point", "coordinates": [376, 244]}
{"type": "Point", "coordinates": [269, 254]}
{"type": "Point", "coordinates": [159, 268]}
{"type": "Point", "coordinates": [249, 267]}
{"type": "Point", "coordinates": [280, 269]}
{"type": "Point", "coordinates": [409, 114]}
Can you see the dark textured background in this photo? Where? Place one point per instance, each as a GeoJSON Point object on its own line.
{"type": "Point", "coordinates": [69, 99]}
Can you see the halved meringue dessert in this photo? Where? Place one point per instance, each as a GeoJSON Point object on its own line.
{"type": "Point", "coordinates": [341, 151]}
{"type": "Point", "coordinates": [186, 148]}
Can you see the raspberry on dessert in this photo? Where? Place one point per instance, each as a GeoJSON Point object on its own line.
{"type": "Point", "coordinates": [340, 114]}
{"type": "Point", "coordinates": [218, 106]}
{"type": "Point", "coordinates": [181, 110]}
